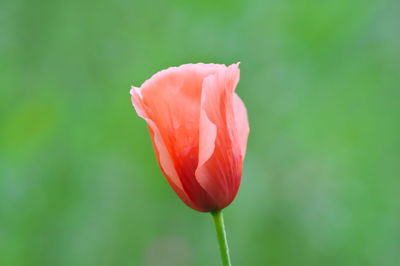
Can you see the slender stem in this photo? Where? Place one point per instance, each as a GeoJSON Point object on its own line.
{"type": "Point", "coordinates": [223, 242]}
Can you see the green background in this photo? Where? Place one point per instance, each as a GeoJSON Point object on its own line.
{"type": "Point", "coordinates": [79, 183]}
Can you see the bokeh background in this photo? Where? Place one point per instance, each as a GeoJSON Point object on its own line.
{"type": "Point", "coordinates": [79, 183]}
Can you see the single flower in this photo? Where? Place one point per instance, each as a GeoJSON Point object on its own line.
{"type": "Point", "coordinates": [199, 129]}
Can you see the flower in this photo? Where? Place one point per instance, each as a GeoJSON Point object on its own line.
{"type": "Point", "coordinates": [199, 129]}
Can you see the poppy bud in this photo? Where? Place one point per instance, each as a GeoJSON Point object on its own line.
{"type": "Point", "coordinates": [199, 129]}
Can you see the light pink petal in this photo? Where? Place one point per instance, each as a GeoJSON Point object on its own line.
{"type": "Point", "coordinates": [242, 123]}
{"type": "Point", "coordinates": [207, 136]}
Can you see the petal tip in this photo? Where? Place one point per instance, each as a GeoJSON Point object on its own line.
{"type": "Point", "coordinates": [135, 91]}
{"type": "Point", "coordinates": [235, 65]}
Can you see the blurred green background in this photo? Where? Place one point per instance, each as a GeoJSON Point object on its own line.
{"type": "Point", "coordinates": [79, 183]}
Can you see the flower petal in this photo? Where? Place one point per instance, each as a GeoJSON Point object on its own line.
{"type": "Point", "coordinates": [161, 151]}
{"type": "Point", "coordinates": [207, 136]}
{"type": "Point", "coordinates": [242, 123]}
{"type": "Point", "coordinates": [220, 175]}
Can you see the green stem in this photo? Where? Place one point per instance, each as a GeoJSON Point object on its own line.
{"type": "Point", "coordinates": [223, 242]}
